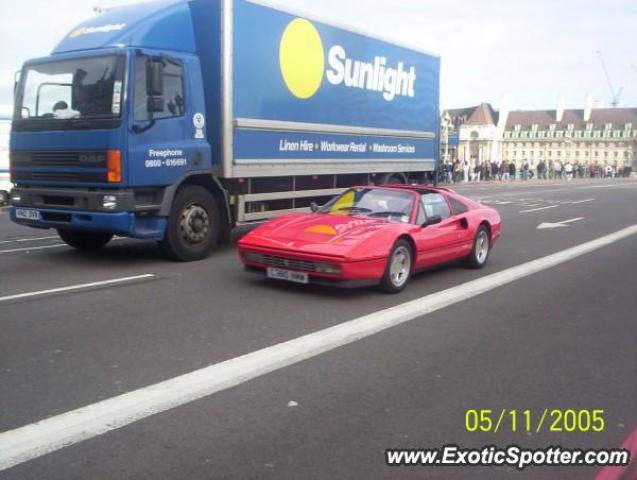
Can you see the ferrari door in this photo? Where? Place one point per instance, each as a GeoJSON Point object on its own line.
{"type": "Point", "coordinates": [441, 242]}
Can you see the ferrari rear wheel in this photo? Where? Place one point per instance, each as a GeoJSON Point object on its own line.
{"type": "Point", "coordinates": [399, 268]}
{"type": "Point", "coordinates": [481, 249]}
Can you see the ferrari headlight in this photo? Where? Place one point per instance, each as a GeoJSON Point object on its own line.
{"type": "Point", "coordinates": [328, 268]}
{"type": "Point", "coordinates": [253, 257]}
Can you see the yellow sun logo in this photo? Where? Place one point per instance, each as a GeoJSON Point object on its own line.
{"type": "Point", "coordinates": [302, 58]}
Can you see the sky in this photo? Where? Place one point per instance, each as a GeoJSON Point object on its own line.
{"type": "Point", "coordinates": [513, 54]}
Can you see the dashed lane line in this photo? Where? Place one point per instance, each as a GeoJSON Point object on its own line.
{"type": "Point", "coordinates": [539, 209]}
{"type": "Point", "coordinates": [75, 288]}
{"type": "Point", "coordinates": [23, 240]}
{"type": "Point", "coordinates": [46, 247]}
{"type": "Point", "coordinates": [30, 249]}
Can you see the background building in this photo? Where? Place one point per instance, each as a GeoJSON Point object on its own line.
{"type": "Point", "coordinates": [479, 133]}
{"type": "Point", "coordinates": [603, 136]}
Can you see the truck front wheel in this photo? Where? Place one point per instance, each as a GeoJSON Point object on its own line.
{"type": "Point", "coordinates": [85, 240]}
{"type": "Point", "coordinates": [193, 225]}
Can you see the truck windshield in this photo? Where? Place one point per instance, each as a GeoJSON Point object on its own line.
{"type": "Point", "coordinates": [66, 94]}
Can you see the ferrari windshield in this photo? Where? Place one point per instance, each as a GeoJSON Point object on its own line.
{"type": "Point", "coordinates": [79, 89]}
{"type": "Point", "coordinates": [392, 205]}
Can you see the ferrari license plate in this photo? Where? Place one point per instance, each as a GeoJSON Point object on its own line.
{"type": "Point", "coordinates": [288, 275]}
{"type": "Point", "coordinates": [27, 214]}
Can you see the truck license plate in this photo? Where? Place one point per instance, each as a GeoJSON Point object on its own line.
{"type": "Point", "coordinates": [288, 275]}
{"type": "Point", "coordinates": [27, 214]}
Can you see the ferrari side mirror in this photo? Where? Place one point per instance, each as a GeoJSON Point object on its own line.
{"type": "Point", "coordinates": [314, 207]}
{"type": "Point", "coordinates": [434, 220]}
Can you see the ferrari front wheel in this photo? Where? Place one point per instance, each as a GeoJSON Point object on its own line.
{"type": "Point", "coordinates": [399, 268]}
{"type": "Point", "coordinates": [481, 248]}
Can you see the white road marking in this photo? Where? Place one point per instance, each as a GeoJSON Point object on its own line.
{"type": "Point", "coordinates": [583, 201]}
{"type": "Point", "coordinates": [538, 209]}
{"type": "Point", "coordinates": [20, 240]}
{"type": "Point", "coordinates": [45, 247]}
{"type": "Point", "coordinates": [30, 249]}
{"type": "Point", "coordinates": [565, 223]}
{"type": "Point", "coordinates": [555, 188]}
{"type": "Point", "coordinates": [51, 434]}
{"type": "Point", "coordinates": [75, 287]}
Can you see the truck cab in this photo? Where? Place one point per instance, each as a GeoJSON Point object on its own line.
{"type": "Point", "coordinates": [108, 125]}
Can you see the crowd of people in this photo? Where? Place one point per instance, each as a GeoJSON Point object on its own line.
{"type": "Point", "coordinates": [457, 171]}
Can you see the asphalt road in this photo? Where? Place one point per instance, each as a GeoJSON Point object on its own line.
{"type": "Point", "coordinates": [562, 338]}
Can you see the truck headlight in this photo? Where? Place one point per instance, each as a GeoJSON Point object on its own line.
{"type": "Point", "coordinates": [109, 202]}
{"type": "Point", "coordinates": [15, 197]}
{"type": "Point", "coordinates": [328, 268]}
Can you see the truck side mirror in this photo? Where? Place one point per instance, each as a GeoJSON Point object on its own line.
{"type": "Point", "coordinates": [155, 78]}
{"type": "Point", "coordinates": [155, 104]}
{"type": "Point", "coordinates": [16, 84]}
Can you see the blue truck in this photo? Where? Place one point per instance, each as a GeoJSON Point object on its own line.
{"type": "Point", "coordinates": [176, 121]}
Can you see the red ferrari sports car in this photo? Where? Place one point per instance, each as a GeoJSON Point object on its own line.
{"type": "Point", "coordinates": [373, 236]}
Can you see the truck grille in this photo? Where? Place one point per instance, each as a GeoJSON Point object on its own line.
{"type": "Point", "coordinates": [58, 158]}
{"type": "Point", "coordinates": [280, 262]}
{"type": "Point", "coordinates": [87, 177]}
{"type": "Point", "coordinates": [22, 162]}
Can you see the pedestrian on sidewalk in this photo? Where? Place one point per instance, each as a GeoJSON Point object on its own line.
{"type": "Point", "coordinates": [504, 170]}
{"type": "Point", "coordinates": [457, 171]}
{"type": "Point", "coordinates": [568, 168]}
{"type": "Point", "coordinates": [541, 170]}
{"type": "Point", "coordinates": [449, 171]}
{"type": "Point", "coordinates": [525, 170]}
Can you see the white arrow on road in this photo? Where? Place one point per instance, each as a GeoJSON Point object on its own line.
{"type": "Point", "coordinates": [565, 223]}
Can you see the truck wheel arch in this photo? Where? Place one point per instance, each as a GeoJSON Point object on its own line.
{"type": "Point", "coordinates": [395, 178]}
{"type": "Point", "coordinates": [203, 179]}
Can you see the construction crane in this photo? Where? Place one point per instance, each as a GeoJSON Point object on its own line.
{"type": "Point", "coordinates": [615, 94]}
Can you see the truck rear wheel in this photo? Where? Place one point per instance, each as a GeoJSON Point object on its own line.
{"type": "Point", "coordinates": [85, 240]}
{"type": "Point", "coordinates": [394, 179]}
{"type": "Point", "coordinates": [193, 225]}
